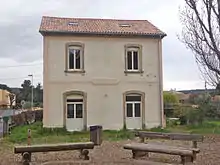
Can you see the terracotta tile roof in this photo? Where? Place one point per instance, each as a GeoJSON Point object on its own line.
{"type": "Point", "coordinates": [98, 26]}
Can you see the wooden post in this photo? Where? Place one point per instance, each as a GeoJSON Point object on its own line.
{"type": "Point", "coordinates": [194, 144]}
{"type": "Point", "coordinates": [29, 143]}
{"type": "Point", "coordinates": [29, 137]}
{"type": "Point", "coordinates": [142, 139]}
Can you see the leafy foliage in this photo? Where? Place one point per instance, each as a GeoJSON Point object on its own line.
{"type": "Point", "coordinates": [27, 105]}
{"type": "Point", "coordinates": [5, 87]}
{"type": "Point", "coordinates": [170, 103]}
{"type": "Point", "coordinates": [206, 110]}
{"type": "Point", "coordinates": [172, 122]}
{"type": "Point", "coordinates": [169, 97]}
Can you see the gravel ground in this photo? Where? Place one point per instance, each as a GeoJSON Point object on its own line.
{"type": "Point", "coordinates": [113, 153]}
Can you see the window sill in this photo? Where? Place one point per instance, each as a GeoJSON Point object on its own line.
{"type": "Point", "coordinates": [74, 71]}
{"type": "Point", "coordinates": [133, 72]}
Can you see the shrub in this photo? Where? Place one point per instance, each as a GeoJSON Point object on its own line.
{"type": "Point", "coordinates": [27, 105]}
{"type": "Point", "coordinates": [189, 115]}
{"type": "Point", "coordinates": [172, 122]}
{"type": "Point", "coordinates": [195, 116]}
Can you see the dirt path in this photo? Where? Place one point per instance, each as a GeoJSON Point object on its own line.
{"type": "Point", "coordinates": [112, 153]}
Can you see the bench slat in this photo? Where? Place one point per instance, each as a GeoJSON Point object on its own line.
{"type": "Point", "coordinates": [196, 150]}
{"type": "Point", "coordinates": [170, 136]}
{"type": "Point", "coordinates": [53, 147]}
{"type": "Point", "coordinates": [159, 149]}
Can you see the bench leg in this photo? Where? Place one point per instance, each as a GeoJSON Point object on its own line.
{"type": "Point", "coordinates": [84, 154]}
{"type": "Point", "coordinates": [186, 159]}
{"type": "Point", "coordinates": [136, 154]}
{"type": "Point", "coordinates": [142, 140]}
{"type": "Point", "coordinates": [26, 157]}
{"type": "Point", "coordinates": [194, 156]}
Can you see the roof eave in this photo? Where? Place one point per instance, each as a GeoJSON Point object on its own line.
{"type": "Point", "coordinates": [163, 35]}
{"type": "Point", "coordinates": [46, 33]}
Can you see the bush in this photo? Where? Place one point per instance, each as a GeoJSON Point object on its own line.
{"type": "Point", "coordinates": [27, 105]}
{"type": "Point", "coordinates": [195, 117]}
{"type": "Point", "coordinates": [172, 122]}
{"type": "Point", "coordinates": [189, 115]}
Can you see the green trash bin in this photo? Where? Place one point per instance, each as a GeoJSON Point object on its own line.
{"type": "Point", "coordinates": [96, 134]}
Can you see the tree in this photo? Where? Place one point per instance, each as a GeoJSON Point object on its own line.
{"type": "Point", "coordinates": [26, 90]}
{"type": "Point", "coordinates": [170, 98]}
{"type": "Point", "coordinates": [5, 87]}
{"type": "Point", "coordinates": [170, 103]}
{"type": "Point", "coordinates": [201, 34]}
{"type": "Point", "coordinates": [38, 95]}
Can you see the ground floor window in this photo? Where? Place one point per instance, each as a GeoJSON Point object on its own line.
{"type": "Point", "coordinates": [74, 108]}
{"type": "Point", "coordinates": [133, 106]}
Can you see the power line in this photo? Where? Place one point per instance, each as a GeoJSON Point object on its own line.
{"type": "Point", "coordinates": [14, 78]}
{"type": "Point", "coordinates": [12, 66]}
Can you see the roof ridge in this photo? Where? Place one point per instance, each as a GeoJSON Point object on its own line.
{"type": "Point", "coordinates": [94, 18]}
{"type": "Point", "coordinates": [100, 26]}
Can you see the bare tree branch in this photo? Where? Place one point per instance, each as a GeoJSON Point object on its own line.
{"type": "Point", "coordinates": [201, 34]}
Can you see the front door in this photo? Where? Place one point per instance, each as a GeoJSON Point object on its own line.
{"type": "Point", "coordinates": [74, 114]}
{"type": "Point", "coordinates": [133, 112]}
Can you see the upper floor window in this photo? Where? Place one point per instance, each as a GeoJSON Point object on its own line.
{"type": "Point", "coordinates": [74, 57]}
{"type": "Point", "coordinates": [133, 58]}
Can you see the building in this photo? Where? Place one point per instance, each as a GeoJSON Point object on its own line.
{"type": "Point", "coordinates": [102, 71]}
{"type": "Point", "coordinates": [182, 97]}
{"type": "Point", "coordinates": [5, 100]}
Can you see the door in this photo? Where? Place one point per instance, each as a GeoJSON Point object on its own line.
{"type": "Point", "coordinates": [133, 112]}
{"type": "Point", "coordinates": [74, 114]}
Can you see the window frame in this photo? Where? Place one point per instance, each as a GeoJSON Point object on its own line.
{"type": "Point", "coordinates": [78, 46]}
{"type": "Point", "coordinates": [133, 47]}
{"type": "Point", "coordinates": [133, 106]}
{"type": "Point", "coordinates": [74, 103]}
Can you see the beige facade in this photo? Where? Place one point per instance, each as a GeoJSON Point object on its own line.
{"type": "Point", "coordinates": [102, 82]}
{"type": "Point", "coordinates": [5, 99]}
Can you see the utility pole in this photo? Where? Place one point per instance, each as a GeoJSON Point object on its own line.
{"type": "Point", "coordinates": [32, 90]}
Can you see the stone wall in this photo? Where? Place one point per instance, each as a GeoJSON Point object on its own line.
{"type": "Point", "coordinates": [27, 117]}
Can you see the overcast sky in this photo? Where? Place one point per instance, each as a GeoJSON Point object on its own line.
{"type": "Point", "coordinates": [21, 43]}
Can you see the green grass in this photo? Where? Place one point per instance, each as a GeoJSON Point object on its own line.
{"type": "Point", "coordinates": [208, 127]}
{"type": "Point", "coordinates": [44, 135]}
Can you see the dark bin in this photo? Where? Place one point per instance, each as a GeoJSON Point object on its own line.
{"type": "Point", "coordinates": [96, 134]}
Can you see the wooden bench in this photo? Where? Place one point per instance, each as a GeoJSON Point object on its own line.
{"type": "Point", "coordinates": [187, 154]}
{"type": "Point", "coordinates": [26, 151]}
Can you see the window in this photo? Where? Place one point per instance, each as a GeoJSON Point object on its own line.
{"type": "Point", "coordinates": [133, 61]}
{"type": "Point", "coordinates": [74, 57]}
{"type": "Point", "coordinates": [125, 25]}
{"type": "Point", "coordinates": [133, 105]}
{"type": "Point", "coordinates": [73, 23]}
{"type": "Point", "coordinates": [74, 108]}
